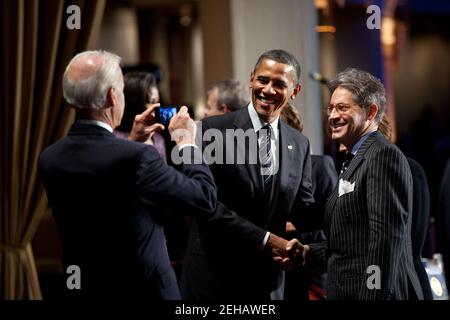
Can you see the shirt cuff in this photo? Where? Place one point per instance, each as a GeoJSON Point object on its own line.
{"type": "Point", "coordinates": [187, 145]}
{"type": "Point", "coordinates": [266, 238]}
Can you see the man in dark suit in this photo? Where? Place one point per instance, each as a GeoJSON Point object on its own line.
{"type": "Point", "coordinates": [368, 216]}
{"type": "Point", "coordinates": [237, 254]}
{"type": "Point", "coordinates": [108, 194]}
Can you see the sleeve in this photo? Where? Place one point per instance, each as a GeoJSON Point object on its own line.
{"type": "Point", "coordinates": [389, 199]}
{"type": "Point", "coordinates": [225, 221]}
{"type": "Point", "coordinates": [318, 255]}
{"type": "Point", "coordinates": [191, 190]}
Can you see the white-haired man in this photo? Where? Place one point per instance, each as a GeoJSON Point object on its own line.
{"type": "Point", "coordinates": [108, 194]}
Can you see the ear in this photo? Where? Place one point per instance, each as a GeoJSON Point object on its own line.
{"type": "Point", "coordinates": [296, 91]}
{"type": "Point", "coordinates": [373, 111]}
{"type": "Point", "coordinates": [111, 98]}
{"type": "Point", "coordinates": [252, 76]}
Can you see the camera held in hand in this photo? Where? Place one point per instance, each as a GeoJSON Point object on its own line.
{"type": "Point", "coordinates": [163, 114]}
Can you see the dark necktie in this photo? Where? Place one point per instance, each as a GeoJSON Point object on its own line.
{"type": "Point", "coordinates": [347, 159]}
{"type": "Point", "coordinates": [265, 158]}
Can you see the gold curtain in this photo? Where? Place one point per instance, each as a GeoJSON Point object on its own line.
{"type": "Point", "coordinates": [36, 47]}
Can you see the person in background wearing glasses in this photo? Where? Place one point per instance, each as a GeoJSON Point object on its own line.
{"type": "Point", "coordinates": [368, 216]}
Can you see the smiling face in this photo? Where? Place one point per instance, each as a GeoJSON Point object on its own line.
{"type": "Point", "coordinates": [348, 126]}
{"type": "Point", "coordinates": [272, 84]}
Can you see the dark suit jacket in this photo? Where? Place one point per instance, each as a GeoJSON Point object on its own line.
{"type": "Point", "coordinates": [420, 219]}
{"type": "Point", "coordinates": [371, 226]}
{"type": "Point", "coordinates": [225, 256]}
{"type": "Point", "coordinates": [107, 196]}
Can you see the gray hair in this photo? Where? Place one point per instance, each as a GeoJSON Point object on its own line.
{"type": "Point", "coordinates": [366, 89]}
{"type": "Point", "coordinates": [232, 94]}
{"type": "Point", "coordinates": [91, 92]}
{"type": "Point", "coordinates": [284, 57]}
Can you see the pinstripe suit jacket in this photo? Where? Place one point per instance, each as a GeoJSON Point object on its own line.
{"type": "Point", "coordinates": [371, 225]}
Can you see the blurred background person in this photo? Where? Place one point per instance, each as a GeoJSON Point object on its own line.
{"type": "Point", "coordinates": [140, 92]}
{"type": "Point", "coordinates": [225, 96]}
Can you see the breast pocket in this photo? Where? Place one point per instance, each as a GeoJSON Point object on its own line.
{"type": "Point", "coordinates": [353, 203]}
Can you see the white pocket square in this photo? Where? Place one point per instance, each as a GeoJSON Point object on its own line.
{"type": "Point", "coordinates": [345, 187]}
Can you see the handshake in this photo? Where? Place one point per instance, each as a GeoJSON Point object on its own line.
{"type": "Point", "coordinates": [286, 253]}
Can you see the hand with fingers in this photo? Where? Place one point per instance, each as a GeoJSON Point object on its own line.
{"type": "Point", "coordinates": [182, 128]}
{"type": "Point", "coordinates": [287, 253]}
{"type": "Point", "coordinates": [144, 125]}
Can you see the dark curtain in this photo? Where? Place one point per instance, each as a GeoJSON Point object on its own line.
{"type": "Point", "coordinates": [36, 47]}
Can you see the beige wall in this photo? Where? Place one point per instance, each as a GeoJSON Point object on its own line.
{"type": "Point", "coordinates": [216, 22]}
{"type": "Point", "coordinates": [119, 33]}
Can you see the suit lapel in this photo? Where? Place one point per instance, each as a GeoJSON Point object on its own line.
{"type": "Point", "coordinates": [244, 122]}
{"type": "Point", "coordinates": [360, 156]}
{"type": "Point", "coordinates": [286, 154]}
{"type": "Point", "coordinates": [352, 168]}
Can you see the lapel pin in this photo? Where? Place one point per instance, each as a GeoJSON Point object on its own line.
{"type": "Point", "coordinates": [289, 147]}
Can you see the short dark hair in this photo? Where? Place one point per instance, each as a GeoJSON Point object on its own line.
{"type": "Point", "coordinates": [231, 93]}
{"type": "Point", "coordinates": [136, 88]}
{"type": "Point", "coordinates": [366, 89]}
{"type": "Point", "coordinates": [281, 56]}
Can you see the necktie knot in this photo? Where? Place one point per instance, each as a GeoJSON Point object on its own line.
{"type": "Point", "coordinates": [347, 159]}
{"type": "Point", "coordinates": [265, 131]}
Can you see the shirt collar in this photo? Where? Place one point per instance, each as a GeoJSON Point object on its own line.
{"type": "Point", "coordinates": [361, 140]}
{"type": "Point", "coordinates": [258, 123]}
{"type": "Point", "coordinates": [96, 123]}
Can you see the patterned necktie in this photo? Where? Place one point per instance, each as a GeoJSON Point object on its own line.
{"type": "Point", "coordinates": [265, 158]}
{"type": "Point", "coordinates": [347, 159]}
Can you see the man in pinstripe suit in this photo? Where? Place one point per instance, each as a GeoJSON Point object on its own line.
{"type": "Point", "coordinates": [368, 216]}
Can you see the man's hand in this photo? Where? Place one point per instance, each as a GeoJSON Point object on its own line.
{"type": "Point", "coordinates": [287, 253]}
{"type": "Point", "coordinates": [182, 128]}
{"type": "Point", "coordinates": [144, 125]}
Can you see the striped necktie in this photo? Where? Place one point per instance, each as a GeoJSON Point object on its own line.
{"type": "Point", "coordinates": [265, 158]}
